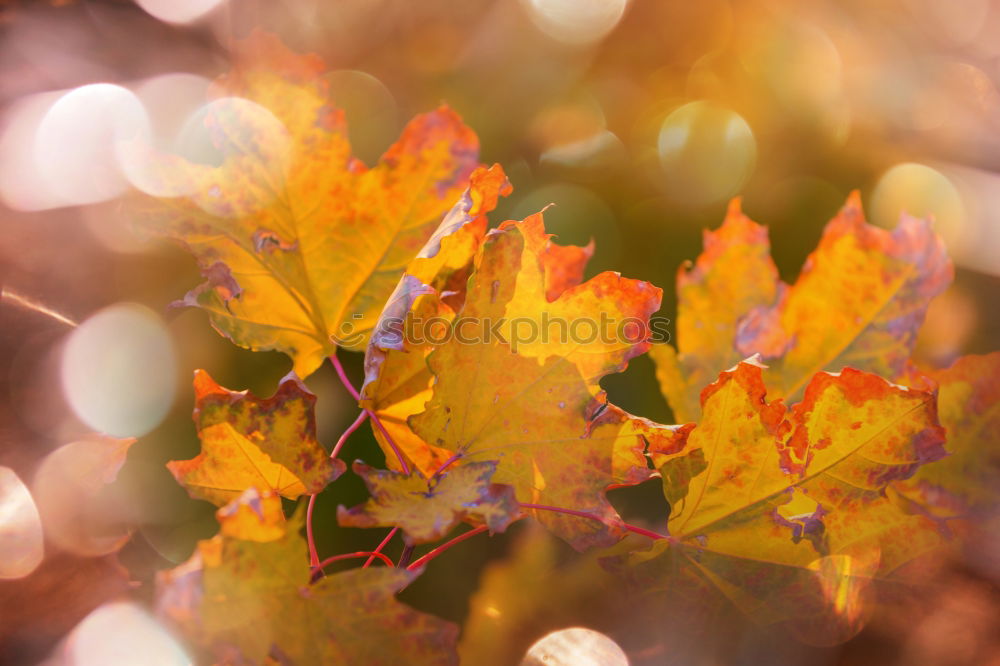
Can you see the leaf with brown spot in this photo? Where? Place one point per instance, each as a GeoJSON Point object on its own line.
{"type": "Point", "coordinates": [534, 405]}
{"type": "Point", "coordinates": [397, 379]}
{"type": "Point", "coordinates": [964, 484]}
{"type": "Point", "coordinates": [733, 275]}
{"type": "Point", "coordinates": [428, 509]}
{"type": "Point", "coordinates": [772, 506]}
{"type": "Point", "coordinates": [247, 600]}
{"type": "Point", "coordinates": [858, 302]}
{"type": "Point", "coordinates": [300, 243]}
{"type": "Point", "coordinates": [253, 516]}
{"type": "Point", "coordinates": [249, 442]}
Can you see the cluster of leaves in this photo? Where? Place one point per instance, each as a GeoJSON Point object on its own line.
{"type": "Point", "coordinates": [822, 459]}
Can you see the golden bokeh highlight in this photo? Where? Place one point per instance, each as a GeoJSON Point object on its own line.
{"type": "Point", "coordinates": [921, 191]}
{"type": "Point", "coordinates": [120, 634]}
{"type": "Point", "coordinates": [21, 547]}
{"type": "Point", "coordinates": [576, 22]}
{"type": "Point", "coordinates": [119, 370]}
{"type": "Point", "coordinates": [576, 646]}
{"type": "Point", "coordinates": [707, 153]}
{"type": "Point", "coordinates": [79, 511]}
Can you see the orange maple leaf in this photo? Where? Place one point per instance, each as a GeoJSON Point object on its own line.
{"type": "Point", "coordinates": [775, 508]}
{"type": "Point", "coordinates": [858, 302]}
{"type": "Point", "coordinates": [299, 242]}
{"type": "Point", "coordinates": [248, 442]}
{"type": "Point", "coordinates": [397, 379]}
{"type": "Point", "coordinates": [533, 404]}
{"type": "Point", "coordinates": [964, 484]}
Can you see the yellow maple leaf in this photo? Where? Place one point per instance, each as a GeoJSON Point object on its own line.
{"type": "Point", "coordinates": [299, 242]}
{"type": "Point", "coordinates": [247, 442]}
{"type": "Point", "coordinates": [532, 402]}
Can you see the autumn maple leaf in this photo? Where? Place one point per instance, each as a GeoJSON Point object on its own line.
{"type": "Point", "coordinates": [245, 596]}
{"type": "Point", "coordinates": [427, 509]}
{"type": "Point", "coordinates": [299, 242]}
{"type": "Point", "coordinates": [963, 485]}
{"type": "Point", "coordinates": [534, 405]}
{"type": "Point", "coordinates": [397, 380]}
{"type": "Point", "coordinates": [774, 507]}
{"type": "Point", "coordinates": [250, 442]}
{"type": "Point", "coordinates": [858, 302]}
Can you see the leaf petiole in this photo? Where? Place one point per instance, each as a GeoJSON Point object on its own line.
{"type": "Point", "coordinates": [313, 555]}
{"type": "Point", "coordinates": [378, 549]}
{"type": "Point", "coordinates": [583, 514]}
{"type": "Point", "coordinates": [445, 546]}
{"type": "Point", "coordinates": [318, 569]}
{"type": "Point", "coordinates": [347, 433]}
{"type": "Point", "coordinates": [375, 419]}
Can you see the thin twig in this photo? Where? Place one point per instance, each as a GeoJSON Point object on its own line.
{"type": "Point", "coordinates": [8, 295]}
{"type": "Point", "coordinates": [591, 516]}
{"type": "Point", "coordinates": [343, 377]}
{"type": "Point", "coordinates": [445, 546]}
{"type": "Point", "coordinates": [447, 463]}
{"type": "Point", "coordinates": [318, 569]}
{"type": "Point", "coordinates": [375, 419]}
{"type": "Point", "coordinates": [405, 556]}
{"type": "Point", "coordinates": [378, 549]}
{"type": "Point", "coordinates": [347, 433]}
{"type": "Point", "coordinates": [310, 539]}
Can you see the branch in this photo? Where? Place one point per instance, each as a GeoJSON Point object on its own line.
{"type": "Point", "coordinates": [310, 539]}
{"type": "Point", "coordinates": [378, 549]}
{"type": "Point", "coordinates": [445, 546]}
{"type": "Point", "coordinates": [347, 433]}
{"type": "Point", "coordinates": [583, 514]}
{"type": "Point", "coordinates": [318, 569]}
{"type": "Point", "coordinates": [375, 419]}
{"type": "Point", "coordinates": [313, 555]}
{"type": "Point", "coordinates": [343, 377]}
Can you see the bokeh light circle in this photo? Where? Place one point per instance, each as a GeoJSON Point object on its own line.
{"type": "Point", "coordinates": [576, 21]}
{"type": "Point", "coordinates": [370, 110]}
{"type": "Point", "coordinates": [707, 153]}
{"type": "Point", "coordinates": [170, 100]}
{"type": "Point", "coordinates": [122, 634]}
{"type": "Point", "coordinates": [22, 185]}
{"type": "Point", "coordinates": [920, 191]}
{"type": "Point", "coordinates": [119, 371]}
{"type": "Point", "coordinates": [576, 646]}
{"type": "Point", "coordinates": [248, 142]}
{"type": "Point", "coordinates": [78, 142]}
{"type": "Point", "coordinates": [80, 511]}
{"type": "Point", "coordinates": [21, 547]}
{"type": "Point", "coordinates": [178, 11]}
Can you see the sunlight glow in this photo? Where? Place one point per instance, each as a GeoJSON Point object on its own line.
{"type": "Point", "coordinates": [178, 11]}
{"type": "Point", "coordinates": [170, 100]}
{"type": "Point", "coordinates": [77, 143]}
{"type": "Point", "coordinates": [119, 370]}
{"type": "Point", "coordinates": [79, 512]}
{"type": "Point", "coordinates": [576, 21]}
{"type": "Point", "coordinates": [21, 548]}
{"type": "Point", "coordinates": [122, 634]}
{"type": "Point", "coordinates": [707, 153]}
{"type": "Point", "coordinates": [576, 646]}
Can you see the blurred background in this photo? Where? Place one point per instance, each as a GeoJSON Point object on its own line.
{"type": "Point", "coordinates": [639, 119]}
